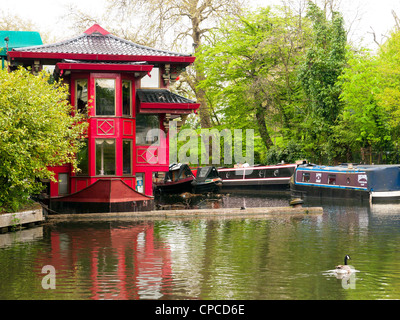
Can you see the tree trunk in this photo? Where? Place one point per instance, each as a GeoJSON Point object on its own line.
{"type": "Point", "coordinates": [204, 110]}
{"type": "Point", "coordinates": [262, 127]}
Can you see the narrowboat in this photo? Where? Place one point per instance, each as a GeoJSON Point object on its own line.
{"type": "Point", "coordinates": [365, 182]}
{"type": "Point", "coordinates": [177, 179]}
{"type": "Point", "coordinates": [180, 179]}
{"type": "Point", "coordinates": [266, 178]}
{"type": "Point", "coordinates": [207, 180]}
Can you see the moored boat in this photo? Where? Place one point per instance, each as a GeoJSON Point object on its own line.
{"type": "Point", "coordinates": [177, 179]}
{"type": "Point", "coordinates": [207, 180]}
{"type": "Point", "coordinates": [365, 182]}
{"type": "Point", "coordinates": [180, 179]}
{"type": "Point", "coordinates": [266, 178]}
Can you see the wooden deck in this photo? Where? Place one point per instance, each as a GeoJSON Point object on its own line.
{"type": "Point", "coordinates": [28, 218]}
{"type": "Point", "coordinates": [266, 212]}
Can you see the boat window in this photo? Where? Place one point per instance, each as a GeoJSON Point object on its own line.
{"type": "Point", "coordinates": [105, 157]}
{"type": "Point", "coordinates": [332, 179]}
{"type": "Point", "coordinates": [306, 177]}
{"type": "Point", "coordinates": [286, 172]}
{"type": "Point", "coordinates": [203, 172]}
{"type": "Point", "coordinates": [239, 173]}
{"type": "Point", "coordinates": [105, 97]}
{"type": "Point", "coordinates": [147, 129]}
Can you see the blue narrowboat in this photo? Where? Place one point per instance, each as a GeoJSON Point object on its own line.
{"type": "Point", "coordinates": [365, 182]}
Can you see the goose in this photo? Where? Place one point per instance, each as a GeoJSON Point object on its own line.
{"type": "Point", "coordinates": [344, 268]}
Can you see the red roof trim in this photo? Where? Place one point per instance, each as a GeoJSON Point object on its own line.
{"type": "Point", "coordinates": [103, 67]}
{"type": "Point", "coordinates": [96, 28]}
{"type": "Point", "coordinates": [146, 107]}
{"type": "Point", "coordinates": [170, 111]}
{"type": "Point", "coordinates": [98, 57]}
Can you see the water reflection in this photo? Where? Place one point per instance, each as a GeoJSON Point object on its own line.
{"type": "Point", "coordinates": [109, 260]}
{"type": "Point", "coordinates": [247, 199]}
{"type": "Point", "coordinates": [279, 258]}
{"type": "Point", "coordinates": [20, 236]}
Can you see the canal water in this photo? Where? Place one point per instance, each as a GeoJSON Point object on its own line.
{"type": "Point", "coordinates": [241, 258]}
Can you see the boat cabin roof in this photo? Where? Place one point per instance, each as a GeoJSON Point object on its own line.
{"type": "Point", "coordinates": [208, 172]}
{"type": "Point", "coordinates": [178, 171]}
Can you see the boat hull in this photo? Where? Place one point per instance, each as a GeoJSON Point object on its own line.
{"type": "Point", "coordinates": [308, 191]}
{"type": "Point", "coordinates": [206, 187]}
{"type": "Point", "coordinates": [385, 196]}
{"type": "Point", "coordinates": [374, 183]}
{"type": "Point", "coordinates": [103, 196]}
{"type": "Point", "coordinates": [261, 178]}
{"type": "Point", "coordinates": [174, 187]}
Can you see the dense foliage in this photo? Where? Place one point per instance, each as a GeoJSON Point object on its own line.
{"type": "Point", "coordinates": [305, 91]}
{"type": "Point", "coordinates": [37, 130]}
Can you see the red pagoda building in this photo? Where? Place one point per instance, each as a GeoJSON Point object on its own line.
{"type": "Point", "coordinates": [124, 88]}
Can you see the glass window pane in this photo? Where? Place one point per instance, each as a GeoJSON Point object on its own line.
{"type": "Point", "coordinates": [83, 159]}
{"type": "Point", "coordinates": [126, 97]}
{"type": "Point", "coordinates": [153, 81]}
{"type": "Point", "coordinates": [127, 156]}
{"type": "Point", "coordinates": [306, 177]}
{"type": "Point", "coordinates": [332, 179]}
{"type": "Point", "coordinates": [105, 157]}
{"type": "Point", "coordinates": [81, 95]}
{"type": "Point", "coordinates": [145, 123]}
{"type": "Point", "coordinates": [105, 97]}
{"type": "Point", "coordinates": [63, 183]}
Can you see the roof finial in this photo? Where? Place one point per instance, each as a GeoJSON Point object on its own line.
{"type": "Point", "coordinates": [96, 29]}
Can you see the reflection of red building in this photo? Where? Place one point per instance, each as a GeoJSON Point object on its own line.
{"type": "Point", "coordinates": [119, 263]}
{"type": "Point", "coordinates": [125, 87]}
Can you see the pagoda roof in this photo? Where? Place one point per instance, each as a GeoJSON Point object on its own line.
{"type": "Point", "coordinates": [97, 44]}
{"type": "Point", "coordinates": [164, 101]}
{"type": "Point", "coordinates": [103, 65]}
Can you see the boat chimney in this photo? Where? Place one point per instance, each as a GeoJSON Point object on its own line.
{"type": "Point", "coordinates": [350, 166]}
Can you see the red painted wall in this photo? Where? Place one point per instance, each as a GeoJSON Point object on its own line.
{"type": "Point", "coordinates": [145, 159]}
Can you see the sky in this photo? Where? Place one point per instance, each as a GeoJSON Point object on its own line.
{"type": "Point", "coordinates": [365, 14]}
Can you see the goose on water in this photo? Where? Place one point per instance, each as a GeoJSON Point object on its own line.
{"type": "Point", "coordinates": [344, 268]}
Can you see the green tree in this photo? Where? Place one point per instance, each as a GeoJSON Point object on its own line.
{"type": "Point", "coordinates": [249, 69]}
{"type": "Point", "coordinates": [364, 123]}
{"type": "Point", "coordinates": [388, 72]}
{"type": "Point", "coordinates": [318, 75]}
{"type": "Point", "coordinates": [37, 129]}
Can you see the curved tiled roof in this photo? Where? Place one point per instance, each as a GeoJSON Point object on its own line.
{"type": "Point", "coordinates": [160, 96]}
{"type": "Point", "coordinates": [100, 43]}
